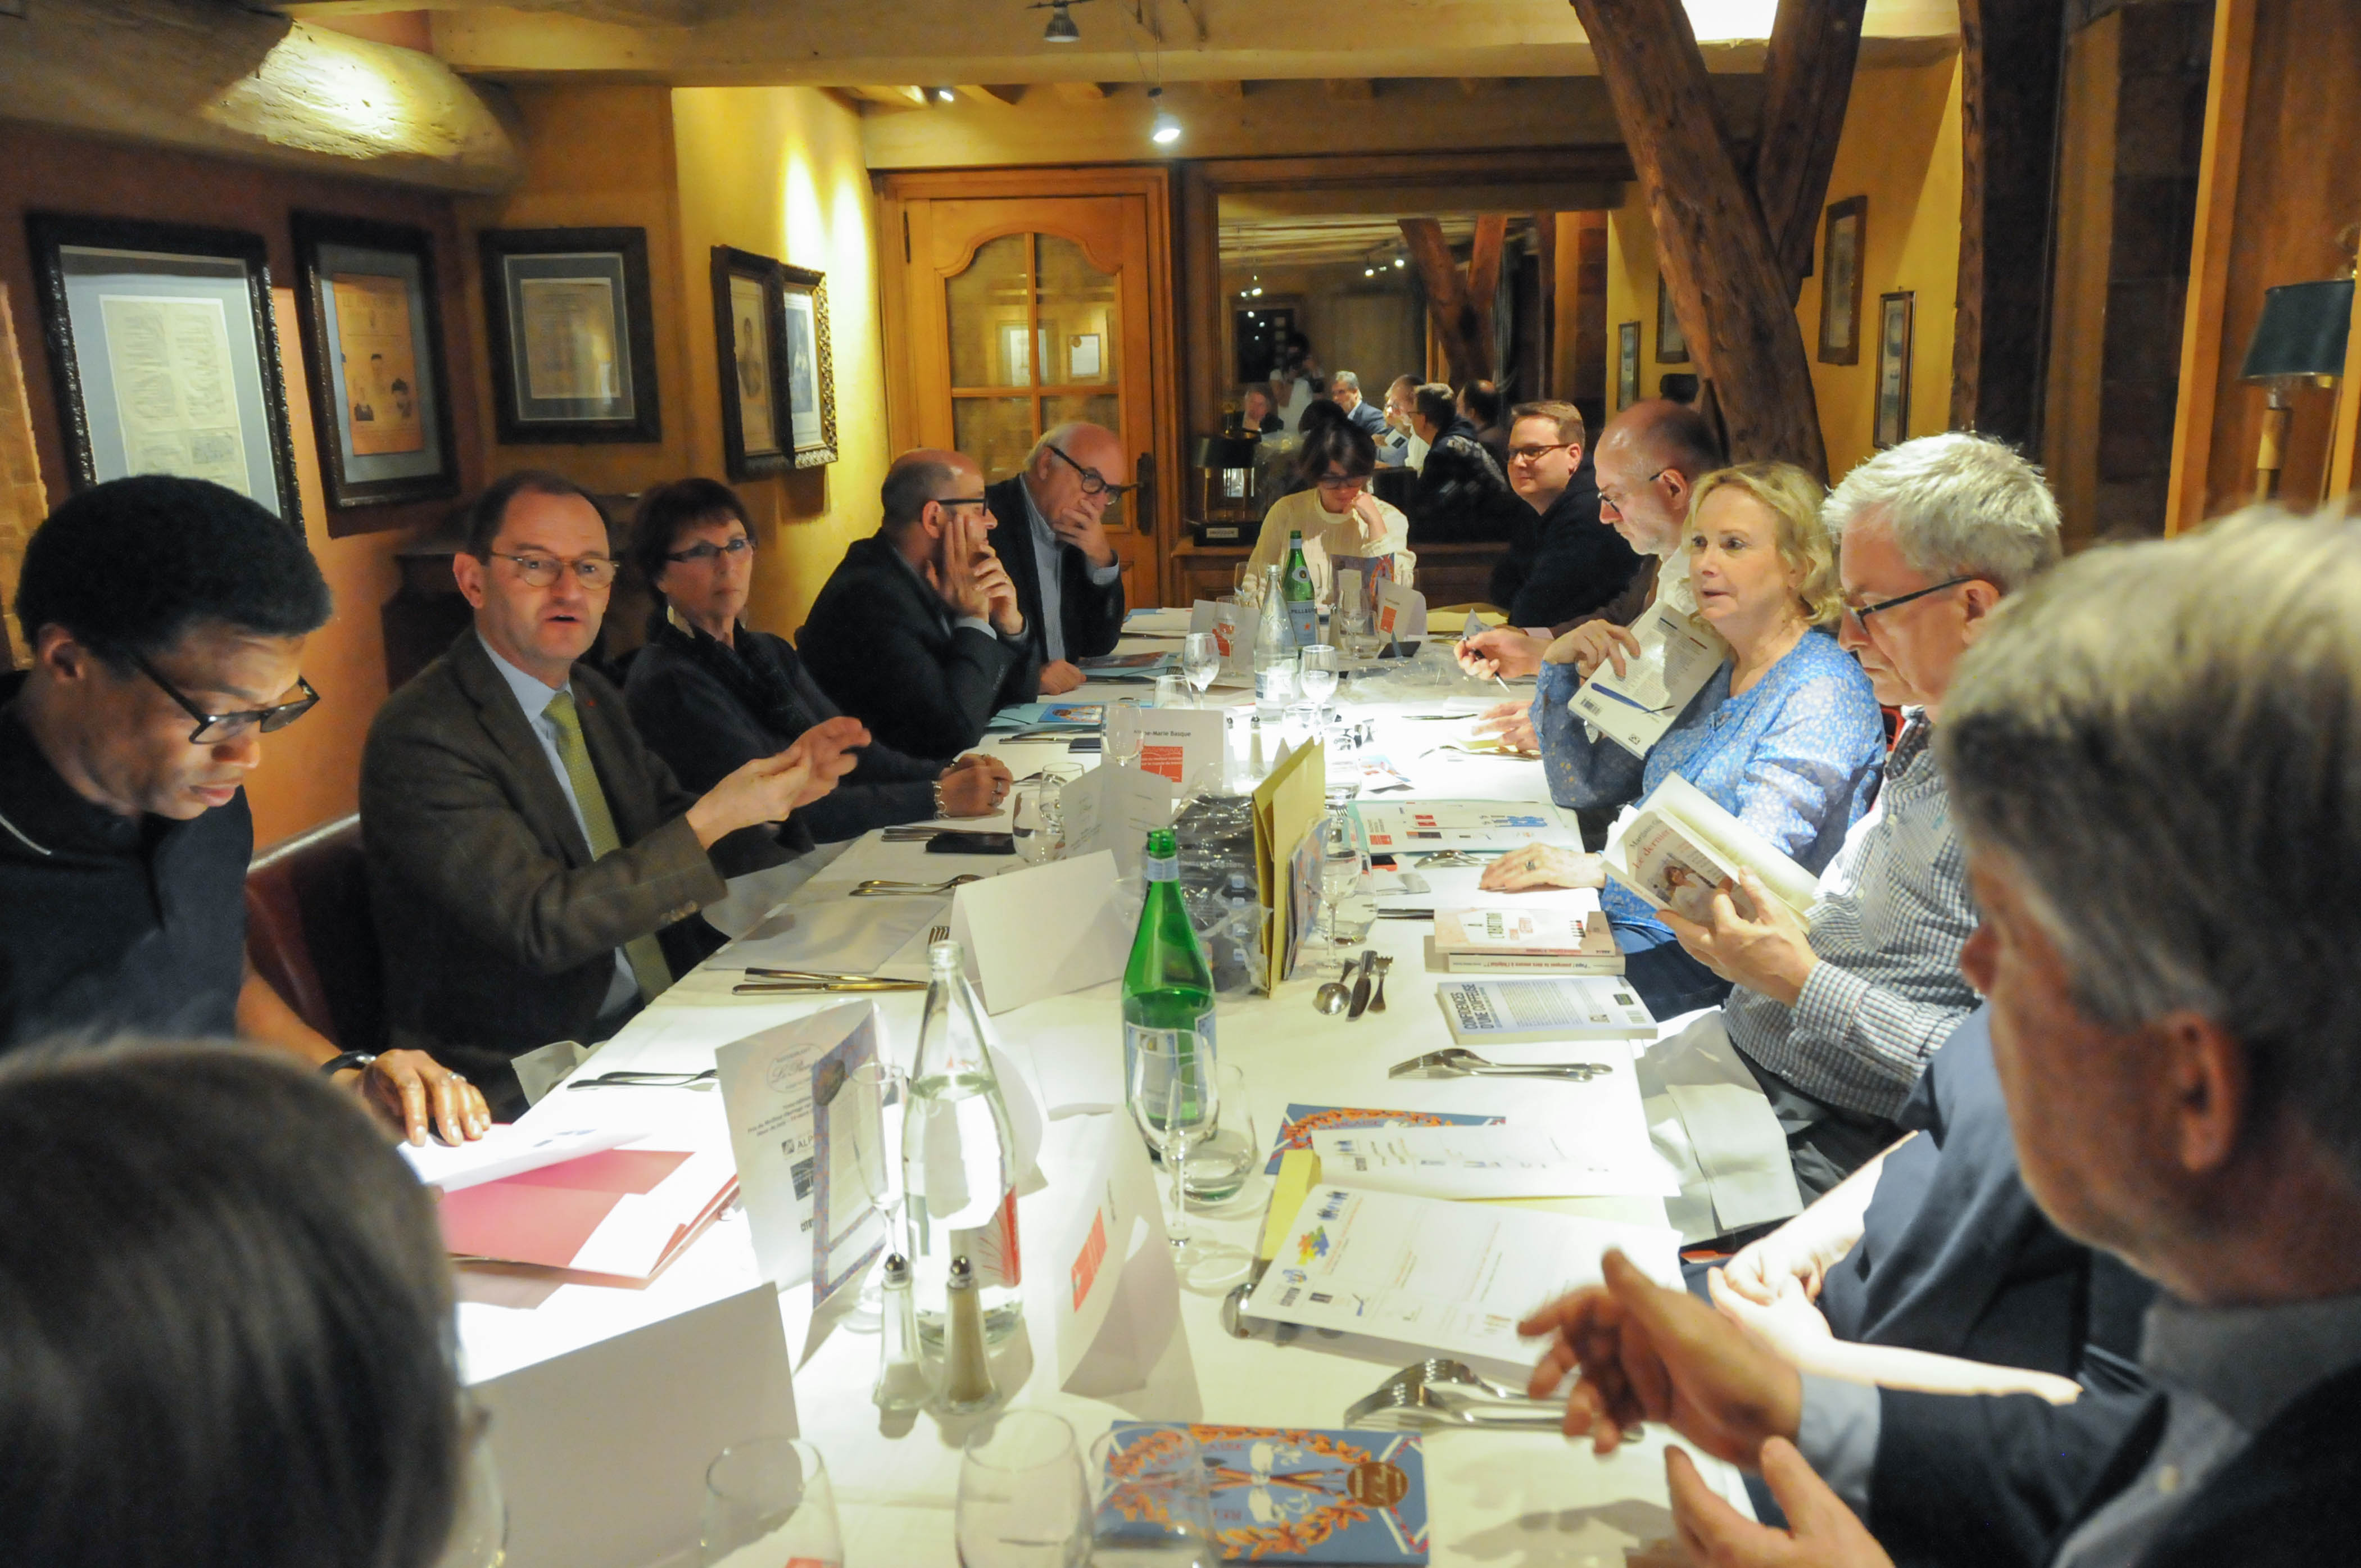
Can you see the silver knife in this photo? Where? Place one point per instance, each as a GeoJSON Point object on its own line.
{"type": "Point", "coordinates": [1361, 986]}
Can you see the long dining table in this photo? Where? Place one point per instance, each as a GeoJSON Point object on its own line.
{"type": "Point", "coordinates": [609, 1382]}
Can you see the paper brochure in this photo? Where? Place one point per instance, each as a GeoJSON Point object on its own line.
{"type": "Point", "coordinates": [1303, 1121]}
{"type": "Point", "coordinates": [1288, 805]}
{"type": "Point", "coordinates": [1566, 1157]}
{"type": "Point", "coordinates": [1421, 825]}
{"type": "Point", "coordinates": [769, 1081]}
{"type": "Point", "coordinates": [1679, 845]}
{"type": "Point", "coordinates": [512, 1149]}
{"type": "Point", "coordinates": [622, 1212]}
{"type": "Point", "coordinates": [1678, 653]}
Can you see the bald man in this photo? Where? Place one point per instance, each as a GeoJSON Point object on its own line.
{"type": "Point", "coordinates": [920, 633]}
{"type": "Point", "coordinates": [1053, 539]}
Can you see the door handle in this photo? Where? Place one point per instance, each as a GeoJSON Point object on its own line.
{"type": "Point", "coordinates": [1144, 474]}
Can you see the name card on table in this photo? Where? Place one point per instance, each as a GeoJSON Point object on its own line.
{"type": "Point", "coordinates": [1182, 744]}
{"type": "Point", "coordinates": [791, 1130]}
{"type": "Point", "coordinates": [1114, 806]}
{"type": "Point", "coordinates": [1113, 1297]}
{"type": "Point", "coordinates": [1043, 931]}
{"type": "Point", "coordinates": [1401, 613]}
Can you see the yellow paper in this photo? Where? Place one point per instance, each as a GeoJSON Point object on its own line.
{"type": "Point", "coordinates": [1288, 804]}
{"type": "Point", "coordinates": [1298, 1173]}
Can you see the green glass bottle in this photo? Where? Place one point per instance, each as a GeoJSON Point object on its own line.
{"type": "Point", "coordinates": [1303, 608]}
{"type": "Point", "coordinates": [1168, 988]}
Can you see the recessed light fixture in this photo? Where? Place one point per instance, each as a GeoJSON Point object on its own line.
{"type": "Point", "coordinates": [1165, 129]}
{"type": "Point", "coordinates": [945, 95]}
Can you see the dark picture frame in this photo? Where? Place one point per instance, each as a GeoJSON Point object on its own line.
{"type": "Point", "coordinates": [1626, 365]}
{"type": "Point", "coordinates": [750, 344]}
{"type": "Point", "coordinates": [809, 389]}
{"type": "Point", "coordinates": [1672, 344]}
{"type": "Point", "coordinates": [373, 326]}
{"type": "Point", "coordinates": [164, 351]}
{"type": "Point", "coordinates": [1897, 324]}
{"type": "Point", "coordinates": [572, 335]}
{"type": "Point", "coordinates": [1844, 246]}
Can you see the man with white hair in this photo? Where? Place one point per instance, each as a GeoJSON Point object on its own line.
{"type": "Point", "coordinates": [1836, 1019]}
{"type": "Point", "coordinates": [1054, 541]}
{"type": "Point", "coordinates": [2155, 765]}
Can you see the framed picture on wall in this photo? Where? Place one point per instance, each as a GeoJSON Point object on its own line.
{"type": "Point", "coordinates": [750, 343]}
{"type": "Point", "coordinates": [810, 368]}
{"type": "Point", "coordinates": [373, 355]}
{"type": "Point", "coordinates": [1843, 242]}
{"type": "Point", "coordinates": [1894, 329]}
{"type": "Point", "coordinates": [1672, 344]}
{"type": "Point", "coordinates": [165, 353]}
{"type": "Point", "coordinates": [572, 335]}
{"type": "Point", "coordinates": [1626, 365]}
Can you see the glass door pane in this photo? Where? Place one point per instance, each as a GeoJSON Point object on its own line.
{"type": "Point", "coordinates": [990, 310]}
{"type": "Point", "coordinates": [1081, 316]}
{"type": "Point", "coordinates": [996, 432]}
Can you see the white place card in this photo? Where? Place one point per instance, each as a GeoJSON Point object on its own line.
{"type": "Point", "coordinates": [1182, 744]}
{"type": "Point", "coordinates": [768, 1083]}
{"type": "Point", "coordinates": [1112, 1292]}
{"type": "Point", "coordinates": [1042, 931]}
{"type": "Point", "coordinates": [1113, 807]}
{"type": "Point", "coordinates": [1401, 612]}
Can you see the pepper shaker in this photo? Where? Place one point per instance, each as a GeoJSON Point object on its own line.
{"type": "Point", "coordinates": [967, 1375]}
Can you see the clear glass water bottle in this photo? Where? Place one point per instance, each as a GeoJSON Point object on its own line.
{"type": "Point", "coordinates": [958, 1159]}
{"type": "Point", "coordinates": [1274, 653]}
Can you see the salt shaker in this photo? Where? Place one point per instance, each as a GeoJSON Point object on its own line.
{"type": "Point", "coordinates": [902, 1381]}
{"type": "Point", "coordinates": [967, 1374]}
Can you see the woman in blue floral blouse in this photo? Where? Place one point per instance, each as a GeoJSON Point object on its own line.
{"type": "Point", "coordinates": [1785, 735]}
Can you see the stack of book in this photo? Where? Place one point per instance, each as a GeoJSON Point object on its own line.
{"type": "Point", "coordinates": [1510, 940]}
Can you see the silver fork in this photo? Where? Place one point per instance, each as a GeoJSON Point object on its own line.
{"type": "Point", "coordinates": [938, 934]}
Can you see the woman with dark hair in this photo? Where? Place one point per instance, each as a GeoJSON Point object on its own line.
{"type": "Point", "coordinates": [226, 1315]}
{"type": "Point", "coordinates": [710, 696]}
{"type": "Point", "coordinates": [1331, 506]}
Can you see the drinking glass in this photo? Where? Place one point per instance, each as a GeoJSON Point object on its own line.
{"type": "Point", "coordinates": [479, 1522]}
{"type": "Point", "coordinates": [1356, 630]}
{"type": "Point", "coordinates": [1171, 1098]}
{"type": "Point", "coordinates": [1023, 1500]}
{"type": "Point", "coordinates": [768, 1501]}
{"type": "Point", "coordinates": [1168, 690]}
{"type": "Point", "coordinates": [1245, 584]}
{"type": "Point", "coordinates": [1345, 893]}
{"type": "Point", "coordinates": [1121, 734]}
{"type": "Point", "coordinates": [1216, 1166]}
{"type": "Point", "coordinates": [1201, 661]}
{"type": "Point", "coordinates": [878, 1091]}
{"type": "Point", "coordinates": [1154, 1507]}
{"type": "Point", "coordinates": [1319, 670]}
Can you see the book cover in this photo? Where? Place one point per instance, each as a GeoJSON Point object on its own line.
{"type": "Point", "coordinates": [1499, 930]}
{"type": "Point", "coordinates": [1680, 845]}
{"type": "Point", "coordinates": [1441, 962]}
{"type": "Point", "coordinates": [1290, 1495]}
{"type": "Point", "coordinates": [1302, 1121]}
{"type": "Point", "coordinates": [1568, 1007]}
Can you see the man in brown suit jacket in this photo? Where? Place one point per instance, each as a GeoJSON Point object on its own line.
{"type": "Point", "coordinates": [533, 865]}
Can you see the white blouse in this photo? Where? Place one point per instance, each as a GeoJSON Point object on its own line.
{"type": "Point", "coordinates": [1327, 534]}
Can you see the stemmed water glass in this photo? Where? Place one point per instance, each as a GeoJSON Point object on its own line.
{"type": "Point", "coordinates": [1344, 871]}
{"type": "Point", "coordinates": [1121, 741]}
{"type": "Point", "coordinates": [1173, 1100]}
{"type": "Point", "coordinates": [1023, 1500]}
{"type": "Point", "coordinates": [879, 1091]}
{"type": "Point", "coordinates": [1201, 661]}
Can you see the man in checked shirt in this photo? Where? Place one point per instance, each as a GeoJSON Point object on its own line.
{"type": "Point", "coordinates": [1837, 1018]}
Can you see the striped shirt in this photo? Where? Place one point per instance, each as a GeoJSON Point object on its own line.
{"type": "Point", "coordinates": [1892, 914]}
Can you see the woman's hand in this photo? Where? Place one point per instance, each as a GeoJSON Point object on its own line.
{"type": "Point", "coordinates": [1542, 865]}
{"type": "Point", "coordinates": [418, 1095]}
{"type": "Point", "coordinates": [1512, 723]}
{"type": "Point", "coordinates": [1593, 642]}
{"type": "Point", "coordinates": [1370, 516]}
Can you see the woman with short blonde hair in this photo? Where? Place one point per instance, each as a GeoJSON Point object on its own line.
{"type": "Point", "coordinates": [1785, 735]}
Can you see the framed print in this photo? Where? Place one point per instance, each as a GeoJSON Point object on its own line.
{"type": "Point", "coordinates": [373, 353]}
{"type": "Point", "coordinates": [165, 353]}
{"type": "Point", "coordinates": [750, 341]}
{"type": "Point", "coordinates": [573, 335]}
{"type": "Point", "coordinates": [1671, 346]}
{"type": "Point", "coordinates": [1893, 328]}
{"type": "Point", "coordinates": [1842, 243]}
{"type": "Point", "coordinates": [1626, 365]}
{"type": "Point", "coordinates": [810, 379]}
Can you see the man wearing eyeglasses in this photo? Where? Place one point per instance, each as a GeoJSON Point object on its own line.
{"type": "Point", "coordinates": [533, 865]}
{"type": "Point", "coordinates": [1560, 563]}
{"type": "Point", "coordinates": [1052, 537]}
{"type": "Point", "coordinates": [1836, 1018]}
{"type": "Point", "coordinates": [918, 632]}
{"type": "Point", "coordinates": [166, 618]}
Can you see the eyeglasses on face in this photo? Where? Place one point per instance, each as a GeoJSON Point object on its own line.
{"type": "Point", "coordinates": [1093, 482]}
{"type": "Point", "coordinates": [1343, 481]}
{"type": "Point", "coordinates": [1616, 498]}
{"type": "Point", "coordinates": [962, 500]}
{"type": "Point", "coordinates": [213, 727]}
{"type": "Point", "coordinates": [1861, 612]}
{"type": "Point", "coordinates": [539, 571]}
{"type": "Point", "coordinates": [1536, 453]}
{"type": "Point", "coordinates": [706, 550]}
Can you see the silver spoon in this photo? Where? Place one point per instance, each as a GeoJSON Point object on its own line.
{"type": "Point", "coordinates": [1332, 994]}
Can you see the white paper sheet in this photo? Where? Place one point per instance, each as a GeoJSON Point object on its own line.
{"type": "Point", "coordinates": [1043, 931]}
{"type": "Point", "coordinates": [512, 1151]}
{"type": "Point", "coordinates": [768, 1090]}
{"type": "Point", "coordinates": [1574, 1157]}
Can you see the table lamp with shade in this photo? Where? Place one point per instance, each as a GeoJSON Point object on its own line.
{"type": "Point", "coordinates": [2299, 338]}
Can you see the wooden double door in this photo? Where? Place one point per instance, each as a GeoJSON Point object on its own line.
{"type": "Point", "coordinates": [1019, 311]}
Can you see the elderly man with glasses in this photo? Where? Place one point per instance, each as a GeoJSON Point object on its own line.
{"type": "Point", "coordinates": [166, 618]}
{"type": "Point", "coordinates": [533, 865]}
{"type": "Point", "coordinates": [1069, 579]}
{"type": "Point", "coordinates": [1836, 1018]}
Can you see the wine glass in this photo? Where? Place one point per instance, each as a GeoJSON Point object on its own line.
{"type": "Point", "coordinates": [770, 1495]}
{"type": "Point", "coordinates": [878, 1091]}
{"type": "Point", "coordinates": [1343, 867]}
{"type": "Point", "coordinates": [1319, 667]}
{"type": "Point", "coordinates": [1121, 742]}
{"type": "Point", "coordinates": [1201, 661]}
{"type": "Point", "coordinates": [1034, 822]}
{"type": "Point", "coordinates": [1023, 1501]}
{"type": "Point", "coordinates": [1171, 1096]}
{"type": "Point", "coordinates": [1154, 1505]}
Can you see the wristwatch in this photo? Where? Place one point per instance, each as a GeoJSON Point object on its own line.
{"type": "Point", "coordinates": [343, 1060]}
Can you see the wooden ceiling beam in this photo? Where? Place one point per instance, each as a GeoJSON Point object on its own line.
{"type": "Point", "coordinates": [1807, 82]}
{"type": "Point", "coordinates": [1462, 320]}
{"type": "Point", "coordinates": [1079, 91]}
{"type": "Point", "coordinates": [892, 97]}
{"type": "Point", "coordinates": [1224, 89]}
{"type": "Point", "coordinates": [1005, 93]}
{"type": "Point", "coordinates": [1351, 89]}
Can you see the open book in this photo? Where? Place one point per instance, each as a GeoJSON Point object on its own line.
{"type": "Point", "coordinates": [1678, 653]}
{"type": "Point", "coordinates": [1678, 846]}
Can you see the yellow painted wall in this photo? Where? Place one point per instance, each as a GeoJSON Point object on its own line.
{"type": "Point", "coordinates": [1901, 149]}
{"type": "Point", "coordinates": [778, 170]}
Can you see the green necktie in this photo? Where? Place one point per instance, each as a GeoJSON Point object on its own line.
{"type": "Point", "coordinates": [645, 953]}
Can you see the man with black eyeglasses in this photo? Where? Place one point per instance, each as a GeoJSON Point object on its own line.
{"type": "Point", "coordinates": [1052, 537]}
{"type": "Point", "coordinates": [533, 867]}
{"type": "Point", "coordinates": [919, 632]}
{"type": "Point", "coordinates": [166, 618]}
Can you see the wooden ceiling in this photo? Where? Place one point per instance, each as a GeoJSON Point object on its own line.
{"type": "Point", "coordinates": [1316, 241]}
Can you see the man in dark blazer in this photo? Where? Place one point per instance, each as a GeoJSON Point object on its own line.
{"type": "Point", "coordinates": [532, 866]}
{"type": "Point", "coordinates": [917, 633]}
{"type": "Point", "coordinates": [1051, 536]}
{"type": "Point", "coordinates": [2163, 867]}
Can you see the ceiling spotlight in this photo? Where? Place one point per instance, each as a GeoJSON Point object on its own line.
{"type": "Point", "coordinates": [1400, 261]}
{"type": "Point", "coordinates": [1061, 28]}
{"type": "Point", "coordinates": [1166, 129]}
{"type": "Point", "coordinates": [1257, 292]}
{"type": "Point", "coordinates": [945, 95]}
{"type": "Point", "coordinates": [1369, 272]}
